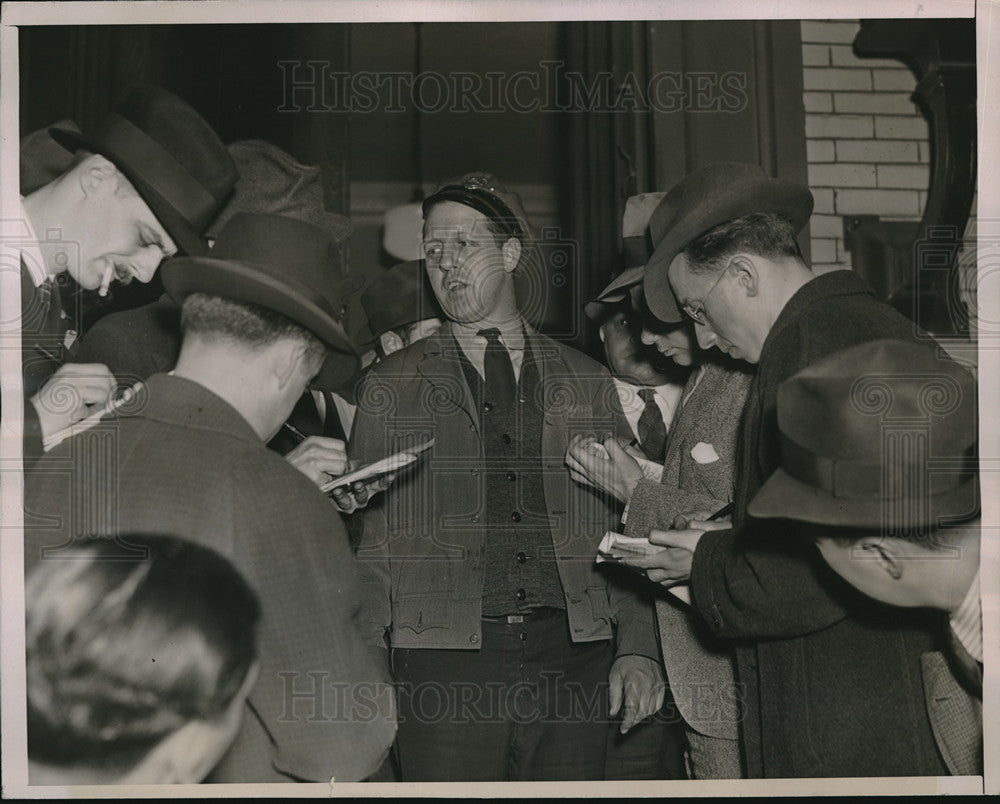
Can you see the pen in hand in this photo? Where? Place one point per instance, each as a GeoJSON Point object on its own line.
{"type": "Point", "coordinates": [726, 510]}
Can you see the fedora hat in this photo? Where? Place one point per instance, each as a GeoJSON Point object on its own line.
{"type": "Point", "coordinates": [485, 193]}
{"type": "Point", "coordinates": [281, 264]}
{"type": "Point", "coordinates": [711, 195]}
{"type": "Point", "coordinates": [880, 435]}
{"type": "Point", "coordinates": [398, 297]}
{"type": "Point", "coordinates": [172, 157]}
{"type": "Point", "coordinates": [636, 249]}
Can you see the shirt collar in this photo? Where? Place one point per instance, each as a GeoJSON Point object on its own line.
{"type": "Point", "coordinates": [31, 254]}
{"type": "Point", "coordinates": [511, 334]}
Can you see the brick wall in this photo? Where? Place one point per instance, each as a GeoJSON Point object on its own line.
{"type": "Point", "coordinates": [866, 141]}
{"type": "Point", "coordinates": [867, 147]}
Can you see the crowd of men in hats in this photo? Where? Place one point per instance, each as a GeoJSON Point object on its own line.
{"type": "Point", "coordinates": [763, 519]}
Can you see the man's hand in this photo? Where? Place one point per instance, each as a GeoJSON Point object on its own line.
{"type": "Point", "coordinates": [320, 459]}
{"type": "Point", "coordinates": [358, 494]}
{"type": "Point", "coordinates": [73, 392]}
{"type": "Point", "coordinates": [637, 682]}
{"type": "Point", "coordinates": [604, 464]}
{"type": "Point", "coordinates": [672, 565]}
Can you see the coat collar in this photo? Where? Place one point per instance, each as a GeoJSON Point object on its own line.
{"type": "Point", "coordinates": [191, 405]}
{"type": "Point", "coordinates": [822, 287]}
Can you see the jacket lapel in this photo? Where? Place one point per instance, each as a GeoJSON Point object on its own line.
{"type": "Point", "coordinates": [440, 366]}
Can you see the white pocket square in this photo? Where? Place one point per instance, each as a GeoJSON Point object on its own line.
{"type": "Point", "coordinates": [704, 453]}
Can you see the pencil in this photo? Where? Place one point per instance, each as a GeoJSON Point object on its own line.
{"type": "Point", "coordinates": [294, 431]}
{"type": "Point", "coordinates": [61, 435]}
{"type": "Point", "coordinates": [724, 511]}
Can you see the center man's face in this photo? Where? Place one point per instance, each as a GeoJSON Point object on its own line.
{"type": "Point", "coordinates": [469, 272]}
{"type": "Point", "coordinates": [119, 239]}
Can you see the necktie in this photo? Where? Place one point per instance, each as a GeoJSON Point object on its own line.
{"type": "Point", "coordinates": [501, 386]}
{"type": "Point", "coordinates": [652, 430]}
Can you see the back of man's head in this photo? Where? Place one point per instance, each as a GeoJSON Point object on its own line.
{"type": "Point", "coordinates": [241, 325]}
{"type": "Point", "coordinates": [124, 649]}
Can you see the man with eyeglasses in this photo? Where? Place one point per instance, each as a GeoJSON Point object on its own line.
{"type": "Point", "coordinates": [821, 668]}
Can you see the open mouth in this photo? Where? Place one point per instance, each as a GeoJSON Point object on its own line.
{"type": "Point", "coordinates": [123, 275]}
{"type": "Point", "coordinates": [454, 284]}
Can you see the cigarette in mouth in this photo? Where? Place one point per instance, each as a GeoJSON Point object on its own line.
{"type": "Point", "coordinates": [109, 273]}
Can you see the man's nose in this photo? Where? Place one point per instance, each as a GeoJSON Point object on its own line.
{"type": "Point", "coordinates": [647, 337]}
{"type": "Point", "coordinates": [447, 261]}
{"type": "Point", "coordinates": [146, 264]}
{"type": "Point", "coordinates": [705, 334]}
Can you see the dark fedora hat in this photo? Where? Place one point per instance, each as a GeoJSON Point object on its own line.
{"type": "Point", "coordinates": [880, 435]}
{"type": "Point", "coordinates": [713, 194]}
{"type": "Point", "coordinates": [636, 249]}
{"type": "Point", "coordinates": [485, 193]}
{"type": "Point", "coordinates": [398, 297]}
{"type": "Point", "coordinates": [281, 264]}
{"type": "Point", "coordinates": [172, 157]}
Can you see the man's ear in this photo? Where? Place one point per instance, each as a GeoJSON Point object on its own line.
{"type": "Point", "coordinates": [601, 332]}
{"type": "Point", "coordinates": [97, 173]}
{"type": "Point", "coordinates": [287, 355]}
{"type": "Point", "coordinates": [746, 274]}
{"type": "Point", "coordinates": [511, 254]}
{"type": "Point", "coordinates": [876, 549]}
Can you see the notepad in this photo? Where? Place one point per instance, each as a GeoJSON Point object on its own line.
{"type": "Point", "coordinates": [382, 467]}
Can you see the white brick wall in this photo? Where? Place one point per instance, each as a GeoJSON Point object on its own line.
{"type": "Point", "coordinates": [866, 141]}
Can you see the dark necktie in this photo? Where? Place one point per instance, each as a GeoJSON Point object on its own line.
{"type": "Point", "coordinates": [501, 386]}
{"type": "Point", "coordinates": [652, 430]}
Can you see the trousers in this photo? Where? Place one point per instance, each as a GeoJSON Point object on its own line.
{"type": "Point", "coordinates": [529, 705]}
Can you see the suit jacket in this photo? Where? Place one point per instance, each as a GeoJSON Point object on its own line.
{"type": "Point", "coordinates": [831, 679]}
{"type": "Point", "coordinates": [421, 551]}
{"type": "Point", "coordinates": [183, 462]}
{"type": "Point", "coordinates": [43, 350]}
{"type": "Point", "coordinates": [699, 665]}
{"type": "Point", "coordinates": [135, 343]}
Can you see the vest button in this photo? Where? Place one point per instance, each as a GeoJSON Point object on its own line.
{"type": "Point", "coordinates": [505, 438]}
{"type": "Point", "coordinates": [474, 638]}
{"type": "Point", "coordinates": [475, 471]}
{"type": "Point", "coordinates": [520, 594]}
{"type": "Point", "coordinates": [516, 516]}
{"type": "Point", "coordinates": [488, 406]}
{"type": "Point", "coordinates": [475, 517]}
{"type": "Point", "coordinates": [521, 558]}
{"type": "Point", "coordinates": [511, 476]}
{"type": "Point", "coordinates": [523, 636]}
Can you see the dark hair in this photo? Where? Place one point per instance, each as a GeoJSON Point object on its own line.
{"type": "Point", "coordinates": [123, 651]}
{"type": "Point", "coordinates": [764, 233]}
{"type": "Point", "coordinates": [244, 322]}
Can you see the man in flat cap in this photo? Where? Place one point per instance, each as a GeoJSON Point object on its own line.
{"type": "Point", "coordinates": [726, 255]}
{"type": "Point", "coordinates": [697, 475]}
{"type": "Point", "coordinates": [142, 187]}
{"type": "Point", "coordinates": [187, 459]}
{"type": "Point", "coordinates": [478, 563]}
{"type": "Point", "coordinates": [882, 414]}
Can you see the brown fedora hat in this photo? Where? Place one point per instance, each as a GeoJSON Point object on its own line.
{"type": "Point", "coordinates": [636, 249]}
{"type": "Point", "coordinates": [281, 264]}
{"type": "Point", "coordinates": [880, 435]}
{"type": "Point", "coordinates": [711, 195]}
{"type": "Point", "coordinates": [172, 157]}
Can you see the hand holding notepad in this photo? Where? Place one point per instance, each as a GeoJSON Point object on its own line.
{"type": "Point", "coordinates": [377, 468]}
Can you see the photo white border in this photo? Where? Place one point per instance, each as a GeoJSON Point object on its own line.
{"type": "Point", "coordinates": [13, 739]}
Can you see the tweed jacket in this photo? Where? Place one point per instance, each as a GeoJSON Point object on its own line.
{"type": "Point", "coordinates": [420, 556]}
{"type": "Point", "coordinates": [831, 678]}
{"type": "Point", "coordinates": [956, 716]}
{"type": "Point", "coordinates": [183, 462]}
{"type": "Point", "coordinates": [699, 665]}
